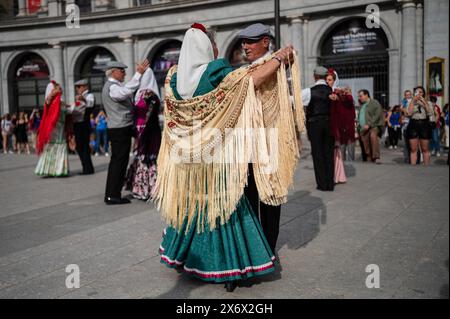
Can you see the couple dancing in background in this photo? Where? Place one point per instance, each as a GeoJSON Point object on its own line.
{"type": "Point", "coordinates": [213, 229]}
{"type": "Point", "coordinates": [330, 116]}
{"type": "Point", "coordinates": [60, 122]}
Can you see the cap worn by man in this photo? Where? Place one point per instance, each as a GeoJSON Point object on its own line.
{"type": "Point", "coordinates": [115, 65]}
{"type": "Point", "coordinates": [255, 32]}
{"type": "Point", "coordinates": [320, 71]}
{"type": "Point", "coordinates": [81, 82]}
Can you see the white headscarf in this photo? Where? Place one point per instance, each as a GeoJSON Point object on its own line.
{"type": "Point", "coordinates": [336, 82]}
{"type": "Point", "coordinates": [196, 52]}
{"type": "Point", "coordinates": [49, 89]}
{"type": "Point", "coordinates": [148, 82]}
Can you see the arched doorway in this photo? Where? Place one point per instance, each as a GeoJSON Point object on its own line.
{"type": "Point", "coordinates": [163, 59]}
{"type": "Point", "coordinates": [91, 65]}
{"type": "Point", "coordinates": [29, 76]}
{"type": "Point", "coordinates": [360, 57]}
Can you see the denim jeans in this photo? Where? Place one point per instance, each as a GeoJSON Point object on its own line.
{"type": "Point", "coordinates": [101, 136]}
{"type": "Point", "coordinates": [435, 143]}
{"type": "Point", "coordinates": [348, 152]}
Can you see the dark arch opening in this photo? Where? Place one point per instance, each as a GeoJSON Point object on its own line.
{"type": "Point", "coordinates": [162, 58]}
{"type": "Point", "coordinates": [28, 75]}
{"type": "Point", "coordinates": [91, 65]}
{"type": "Point", "coordinates": [359, 55]}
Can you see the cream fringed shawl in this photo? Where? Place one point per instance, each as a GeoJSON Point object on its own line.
{"type": "Point", "coordinates": [209, 140]}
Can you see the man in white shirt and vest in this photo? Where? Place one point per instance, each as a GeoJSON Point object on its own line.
{"type": "Point", "coordinates": [318, 107]}
{"type": "Point", "coordinates": [81, 111]}
{"type": "Point", "coordinates": [118, 103]}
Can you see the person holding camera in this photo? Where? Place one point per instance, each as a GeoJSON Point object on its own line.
{"type": "Point", "coordinates": [421, 114]}
{"type": "Point", "coordinates": [435, 142]}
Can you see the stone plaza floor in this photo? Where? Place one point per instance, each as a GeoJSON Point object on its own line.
{"type": "Point", "coordinates": [392, 215]}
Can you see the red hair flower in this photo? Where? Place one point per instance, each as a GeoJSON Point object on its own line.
{"type": "Point", "coordinates": [199, 26]}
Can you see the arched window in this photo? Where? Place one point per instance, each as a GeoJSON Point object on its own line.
{"type": "Point", "coordinates": [360, 57]}
{"type": "Point", "coordinates": [29, 76]}
{"type": "Point", "coordinates": [91, 66]}
{"type": "Point", "coordinates": [165, 57]}
{"type": "Point", "coordinates": [84, 5]}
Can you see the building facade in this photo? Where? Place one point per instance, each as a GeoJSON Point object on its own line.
{"type": "Point", "coordinates": [384, 46]}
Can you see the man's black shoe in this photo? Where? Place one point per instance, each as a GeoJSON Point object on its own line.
{"type": "Point", "coordinates": [325, 189]}
{"type": "Point", "coordinates": [116, 201]}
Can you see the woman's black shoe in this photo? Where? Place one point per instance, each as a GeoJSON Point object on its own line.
{"type": "Point", "coordinates": [230, 286]}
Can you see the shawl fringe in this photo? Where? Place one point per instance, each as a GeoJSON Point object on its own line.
{"type": "Point", "coordinates": [209, 140]}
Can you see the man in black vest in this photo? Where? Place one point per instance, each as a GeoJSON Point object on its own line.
{"type": "Point", "coordinates": [81, 111]}
{"type": "Point", "coordinates": [318, 106]}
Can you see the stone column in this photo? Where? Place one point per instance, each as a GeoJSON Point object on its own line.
{"type": "Point", "coordinates": [394, 77]}
{"type": "Point", "coordinates": [297, 36]}
{"type": "Point", "coordinates": [58, 64]}
{"type": "Point", "coordinates": [128, 54]}
{"type": "Point", "coordinates": [409, 65]}
{"type": "Point", "coordinates": [312, 62]}
{"type": "Point", "coordinates": [305, 47]}
{"type": "Point", "coordinates": [22, 8]}
{"type": "Point", "coordinates": [4, 96]}
{"type": "Point", "coordinates": [419, 37]}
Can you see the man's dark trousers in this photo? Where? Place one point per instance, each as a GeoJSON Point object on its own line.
{"type": "Point", "coordinates": [322, 150]}
{"type": "Point", "coordinates": [269, 216]}
{"type": "Point", "coordinates": [120, 139]}
{"type": "Point", "coordinates": [82, 133]}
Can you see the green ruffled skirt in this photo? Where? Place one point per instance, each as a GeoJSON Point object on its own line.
{"type": "Point", "coordinates": [236, 250]}
{"type": "Point", "coordinates": [54, 161]}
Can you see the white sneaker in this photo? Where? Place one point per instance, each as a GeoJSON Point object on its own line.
{"type": "Point", "coordinates": [395, 147]}
{"type": "Point", "coordinates": [391, 147]}
{"type": "Point", "coordinates": [96, 154]}
{"type": "Point", "coordinates": [106, 154]}
{"type": "Point", "coordinates": [438, 154]}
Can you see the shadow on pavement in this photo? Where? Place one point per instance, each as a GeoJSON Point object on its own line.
{"type": "Point", "coordinates": [183, 287]}
{"type": "Point", "coordinates": [306, 214]}
{"type": "Point", "coordinates": [350, 170]}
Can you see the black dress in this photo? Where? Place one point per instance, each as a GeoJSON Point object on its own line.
{"type": "Point", "coordinates": [21, 132]}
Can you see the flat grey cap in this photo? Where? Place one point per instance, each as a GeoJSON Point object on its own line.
{"type": "Point", "coordinates": [115, 65]}
{"type": "Point", "coordinates": [320, 71]}
{"type": "Point", "coordinates": [255, 32]}
{"type": "Point", "coordinates": [82, 82]}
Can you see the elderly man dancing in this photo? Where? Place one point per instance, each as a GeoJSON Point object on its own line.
{"type": "Point", "coordinates": [118, 102]}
